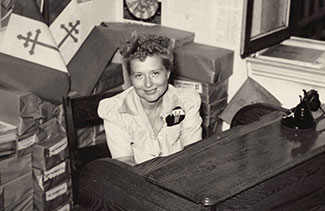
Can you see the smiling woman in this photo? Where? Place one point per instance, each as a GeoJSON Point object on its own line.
{"type": "Point", "coordinates": [151, 118]}
{"type": "Point", "coordinates": [150, 79]}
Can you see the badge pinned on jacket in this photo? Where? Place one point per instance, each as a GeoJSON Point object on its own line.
{"type": "Point", "coordinates": [176, 116]}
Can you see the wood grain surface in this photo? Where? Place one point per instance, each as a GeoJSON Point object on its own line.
{"type": "Point", "coordinates": [109, 184]}
{"type": "Point", "coordinates": [235, 163]}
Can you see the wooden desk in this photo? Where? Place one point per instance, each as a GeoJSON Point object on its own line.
{"type": "Point", "coordinates": [260, 166]}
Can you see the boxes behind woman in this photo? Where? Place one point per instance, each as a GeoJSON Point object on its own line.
{"type": "Point", "coordinates": [119, 33]}
{"type": "Point", "coordinates": [51, 169]}
{"type": "Point", "coordinates": [206, 69]}
{"type": "Point", "coordinates": [203, 63]}
{"type": "Point", "coordinates": [213, 101]}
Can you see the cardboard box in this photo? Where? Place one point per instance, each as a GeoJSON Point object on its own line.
{"type": "Point", "coordinates": [53, 198]}
{"type": "Point", "coordinates": [48, 110]}
{"type": "Point", "coordinates": [7, 131]}
{"type": "Point", "coordinates": [203, 63]}
{"type": "Point", "coordinates": [119, 33]}
{"type": "Point", "coordinates": [88, 64]}
{"type": "Point", "coordinates": [13, 167]}
{"type": "Point", "coordinates": [25, 203]}
{"type": "Point", "coordinates": [18, 145]}
{"type": "Point", "coordinates": [14, 190]}
{"type": "Point", "coordinates": [25, 143]}
{"type": "Point", "coordinates": [8, 149]}
{"type": "Point", "coordinates": [211, 124]}
{"type": "Point", "coordinates": [208, 92]}
{"type": "Point", "coordinates": [210, 116]}
{"type": "Point", "coordinates": [49, 129]}
{"type": "Point", "coordinates": [46, 82]}
{"type": "Point", "coordinates": [50, 152]}
{"type": "Point", "coordinates": [210, 119]}
{"type": "Point", "coordinates": [47, 179]}
{"type": "Point", "coordinates": [8, 138]}
{"type": "Point", "coordinates": [111, 77]}
{"type": "Point", "coordinates": [215, 107]}
{"type": "Point", "coordinates": [212, 128]}
{"type": "Point", "coordinates": [21, 109]}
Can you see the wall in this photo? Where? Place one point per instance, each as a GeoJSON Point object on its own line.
{"type": "Point", "coordinates": [215, 22]}
{"type": "Point", "coordinates": [101, 10]}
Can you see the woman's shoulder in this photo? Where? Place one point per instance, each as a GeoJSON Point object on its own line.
{"type": "Point", "coordinates": [109, 107]}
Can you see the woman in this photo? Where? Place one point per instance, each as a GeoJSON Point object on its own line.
{"type": "Point", "coordinates": [151, 118]}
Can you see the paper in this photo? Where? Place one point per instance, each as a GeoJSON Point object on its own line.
{"type": "Point", "coordinates": [182, 84]}
{"type": "Point", "coordinates": [228, 16]}
{"type": "Point", "coordinates": [295, 55]}
{"type": "Point", "coordinates": [187, 11]}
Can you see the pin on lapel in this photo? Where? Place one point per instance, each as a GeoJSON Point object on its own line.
{"type": "Point", "coordinates": [176, 116]}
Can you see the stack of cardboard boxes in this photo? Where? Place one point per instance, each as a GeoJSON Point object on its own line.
{"type": "Point", "coordinates": [205, 69]}
{"type": "Point", "coordinates": [16, 185]}
{"type": "Point", "coordinates": [51, 172]}
{"type": "Point", "coordinates": [20, 110]}
{"type": "Point", "coordinates": [34, 172]}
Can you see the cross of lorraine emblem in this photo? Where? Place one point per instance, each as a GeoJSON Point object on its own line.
{"type": "Point", "coordinates": [70, 31]}
{"type": "Point", "coordinates": [34, 41]}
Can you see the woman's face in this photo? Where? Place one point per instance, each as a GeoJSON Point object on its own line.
{"type": "Point", "coordinates": [149, 78]}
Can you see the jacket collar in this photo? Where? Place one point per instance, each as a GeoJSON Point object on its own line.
{"type": "Point", "coordinates": [132, 104]}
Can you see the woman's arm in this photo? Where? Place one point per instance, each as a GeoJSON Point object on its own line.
{"type": "Point", "coordinates": [192, 131]}
{"type": "Point", "coordinates": [117, 137]}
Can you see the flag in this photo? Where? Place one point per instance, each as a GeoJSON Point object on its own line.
{"type": "Point", "coordinates": [29, 57]}
{"type": "Point", "coordinates": [68, 24]}
{"type": "Point", "coordinates": [75, 33]}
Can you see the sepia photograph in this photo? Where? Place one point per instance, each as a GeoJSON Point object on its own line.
{"type": "Point", "coordinates": [162, 105]}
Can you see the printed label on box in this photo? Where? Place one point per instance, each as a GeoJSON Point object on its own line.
{"type": "Point", "coordinates": [55, 192]}
{"type": "Point", "coordinates": [188, 85]}
{"type": "Point", "coordinates": [59, 147]}
{"type": "Point", "coordinates": [27, 142]}
{"type": "Point", "coordinates": [54, 172]}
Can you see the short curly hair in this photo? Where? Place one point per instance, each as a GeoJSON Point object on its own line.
{"type": "Point", "coordinates": [142, 46]}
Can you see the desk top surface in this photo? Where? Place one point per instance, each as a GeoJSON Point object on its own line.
{"type": "Point", "coordinates": [226, 164]}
